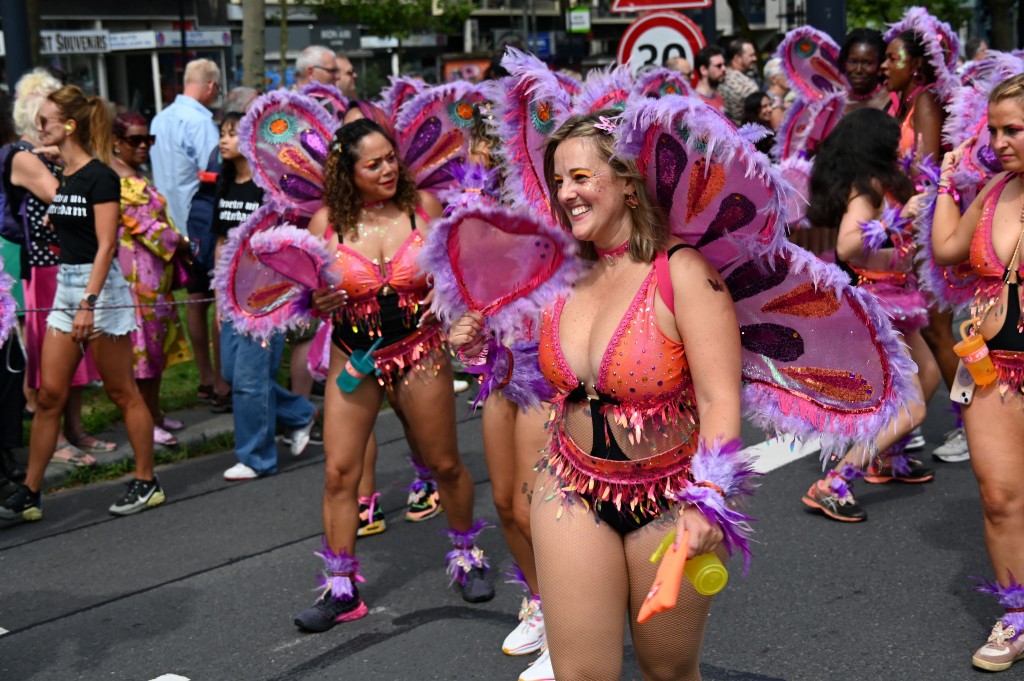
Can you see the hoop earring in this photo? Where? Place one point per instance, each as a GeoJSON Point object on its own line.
{"type": "Point", "coordinates": [632, 200]}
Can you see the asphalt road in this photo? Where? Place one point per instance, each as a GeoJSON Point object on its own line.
{"type": "Point", "coordinates": [205, 587]}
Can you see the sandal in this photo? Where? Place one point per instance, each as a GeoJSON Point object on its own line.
{"type": "Point", "coordinates": [73, 456]}
{"type": "Point", "coordinates": [221, 404]}
{"type": "Point", "coordinates": [94, 445]}
{"type": "Point", "coordinates": [205, 392]}
{"type": "Point", "coordinates": [162, 437]}
{"type": "Point", "coordinates": [170, 424]}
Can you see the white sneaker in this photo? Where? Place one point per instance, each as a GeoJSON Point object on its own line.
{"type": "Point", "coordinates": [540, 670]}
{"type": "Point", "coordinates": [460, 385]}
{"type": "Point", "coordinates": [240, 472]}
{"type": "Point", "coordinates": [954, 449]}
{"type": "Point", "coordinates": [528, 637]}
{"type": "Point", "coordinates": [916, 441]}
{"type": "Point", "coordinates": [299, 438]}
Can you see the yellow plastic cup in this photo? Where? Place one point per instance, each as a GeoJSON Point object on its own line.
{"type": "Point", "coordinates": [974, 353]}
{"type": "Point", "coordinates": [707, 574]}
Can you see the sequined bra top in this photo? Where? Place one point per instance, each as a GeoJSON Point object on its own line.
{"type": "Point", "coordinates": [641, 368]}
{"type": "Point", "coordinates": [365, 279]}
{"type": "Point", "coordinates": [984, 260]}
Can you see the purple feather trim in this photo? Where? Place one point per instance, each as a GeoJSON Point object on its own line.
{"type": "Point", "coordinates": [607, 88]}
{"type": "Point", "coordinates": [1010, 597]}
{"type": "Point", "coordinates": [650, 82]}
{"type": "Point", "coordinates": [8, 316]}
{"type": "Point", "coordinates": [395, 95]}
{"type": "Point", "coordinates": [753, 132]}
{"type": "Point", "coordinates": [929, 29]}
{"type": "Point", "coordinates": [327, 94]}
{"type": "Point", "coordinates": [341, 572]}
{"type": "Point", "coordinates": [449, 92]}
{"type": "Point", "coordinates": [524, 384]}
{"type": "Point", "coordinates": [940, 281]}
{"type": "Point", "coordinates": [423, 477]}
{"type": "Point", "coordinates": [472, 182]}
{"type": "Point", "coordinates": [730, 469]}
{"type": "Point", "coordinates": [466, 555]}
{"type": "Point", "coordinates": [449, 303]}
{"type": "Point", "coordinates": [876, 232]}
{"type": "Point", "coordinates": [514, 575]}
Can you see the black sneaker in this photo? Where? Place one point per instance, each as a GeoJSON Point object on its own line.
{"type": "Point", "coordinates": [10, 468]}
{"type": "Point", "coordinates": [140, 495]}
{"type": "Point", "coordinates": [371, 518]}
{"type": "Point", "coordinates": [823, 498]}
{"type": "Point", "coordinates": [328, 611]}
{"type": "Point", "coordinates": [316, 433]}
{"type": "Point", "coordinates": [478, 588]}
{"type": "Point", "coordinates": [24, 504]}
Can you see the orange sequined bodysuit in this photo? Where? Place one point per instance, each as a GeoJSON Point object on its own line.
{"type": "Point", "coordinates": [624, 448]}
{"type": "Point", "coordinates": [383, 302]}
{"type": "Point", "coordinates": [1007, 347]}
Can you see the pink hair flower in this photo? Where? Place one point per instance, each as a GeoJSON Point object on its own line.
{"type": "Point", "coordinates": [606, 125]}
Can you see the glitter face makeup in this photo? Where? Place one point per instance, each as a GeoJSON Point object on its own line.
{"type": "Point", "coordinates": [590, 194]}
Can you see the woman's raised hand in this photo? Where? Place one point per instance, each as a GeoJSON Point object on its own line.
{"type": "Point", "coordinates": [952, 158]}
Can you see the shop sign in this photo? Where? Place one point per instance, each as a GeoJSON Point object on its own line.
{"type": "Point", "coordinates": [207, 38]}
{"type": "Point", "coordinates": [137, 40]}
{"type": "Point", "coordinates": [73, 42]}
{"type": "Point", "coordinates": [374, 42]}
{"type": "Point", "coordinates": [338, 38]}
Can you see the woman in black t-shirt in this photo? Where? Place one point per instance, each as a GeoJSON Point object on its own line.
{"type": "Point", "coordinates": [93, 304]}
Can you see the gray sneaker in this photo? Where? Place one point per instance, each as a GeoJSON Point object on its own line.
{"type": "Point", "coordinates": [140, 495]}
{"type": "Point", "coordinates": [328, 611]}
{"type": "Point", "coordinates": [954, 449]}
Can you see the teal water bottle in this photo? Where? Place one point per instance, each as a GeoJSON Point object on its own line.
{"type": "Point", "coordinates": [360, 365]}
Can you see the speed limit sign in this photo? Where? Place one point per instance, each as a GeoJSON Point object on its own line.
{"type": "Point", "coordinates": [655, 38]}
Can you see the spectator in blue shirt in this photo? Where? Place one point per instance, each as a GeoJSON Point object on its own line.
{"type": "Point", "coordinates": [185, 137]}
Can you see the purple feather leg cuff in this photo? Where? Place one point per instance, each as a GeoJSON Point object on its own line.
{"type": "Point", "coordinates": [1011, 597]}
{"type": "Point", "coordinates": [466, 555]}
{"type": "Point", "coordinates": [341, 572]}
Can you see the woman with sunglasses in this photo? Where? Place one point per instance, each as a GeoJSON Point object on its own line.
{"type": "Point", "coordinates": [94, 308]}
{"type": "Point", "coordinates": [148, 243]}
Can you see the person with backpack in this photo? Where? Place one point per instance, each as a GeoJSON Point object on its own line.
{"type": "Point", "coordinates": [29, 183]}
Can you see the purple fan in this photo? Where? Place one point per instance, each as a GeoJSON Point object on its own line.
{"type": "Point", "coordinates": [501, 262]}
{"type": "Point", "coordinates": [797, 173]}
{"type": "Point", "coordinates": [531, 107]}
{"type": "Point", "coordinates": [810, 59]}
{"type": "Point", "coordinates": [433, 133]}
{"type": "Point", "coordinates": [296, 254]}
{"type": "Point", "coordinates": [286, 136]}
{"type": "Point", "coordinates": [722, 196]}
{"type": "Point", "coordinates": [396, 95]}
{"type": "Point", "coordinates": [603, 89]}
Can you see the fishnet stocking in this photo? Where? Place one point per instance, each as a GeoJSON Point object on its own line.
{"type": "Point", "coordinates": [589, 577]}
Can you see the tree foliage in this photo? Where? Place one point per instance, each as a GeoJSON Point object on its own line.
{"type": "Point", "coordinates": [878, 13]}
{"type": "Point", "coordinates": [400, 18]}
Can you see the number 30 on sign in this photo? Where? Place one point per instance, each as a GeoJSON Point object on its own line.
{"type": "Point", "coordinates": [655, 38]}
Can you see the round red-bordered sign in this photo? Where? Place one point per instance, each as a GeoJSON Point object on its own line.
{"type": "Point", "coordinates": [654, 38]}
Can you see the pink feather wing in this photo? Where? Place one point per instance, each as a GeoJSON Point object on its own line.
{"type": "Point", "coordinates": [433, 133]}
{"type": "Point", "coordinates": [723, 197]}
{"type": "Point", "coordinates": [286, 136]}
{"type": "Point", "coordinates": [810, 59]}
{"type": "Point", "coordinates": [529, 108]}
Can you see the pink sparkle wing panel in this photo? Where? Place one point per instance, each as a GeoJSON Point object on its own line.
{"type": "Point", "coordinates": [810, 59]}
{"type": "Point", "coordinates": [723, 197]}
{"type": "Point", "coordinates": [432, 133]}
{"type": "Point", "coordinates": [286, 136]}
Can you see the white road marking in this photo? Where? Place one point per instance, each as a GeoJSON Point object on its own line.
{"type": "Point", "coordinates": [170, 677]}
{"type": "Point", "coordinates": [777, 452]}
{"type": "Point", "coordinates": [2, 631]}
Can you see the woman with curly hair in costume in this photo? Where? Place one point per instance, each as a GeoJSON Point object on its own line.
{"type": "Point", "coordinates": [989, 238]}
{"type": "Point", "coordinates": [375, 218]}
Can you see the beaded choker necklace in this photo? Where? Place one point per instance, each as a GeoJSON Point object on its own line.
{"type": "Point", "coordinates": [857, 97]}
{"type": "Point", "coordinates": [614, 254]}
{"type": "Point", "coordinates": [375, 205]}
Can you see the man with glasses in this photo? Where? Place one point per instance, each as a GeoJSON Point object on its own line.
{"type": "Point", "coordinates": [185, 137]}
{"type": "Point", "coordinates": [316, 64]}
{"type": "Point", "coordinates": [346, 76]}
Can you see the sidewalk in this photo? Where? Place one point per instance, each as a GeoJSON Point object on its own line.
{"type": "Point", "coordinates": [201, 426]}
